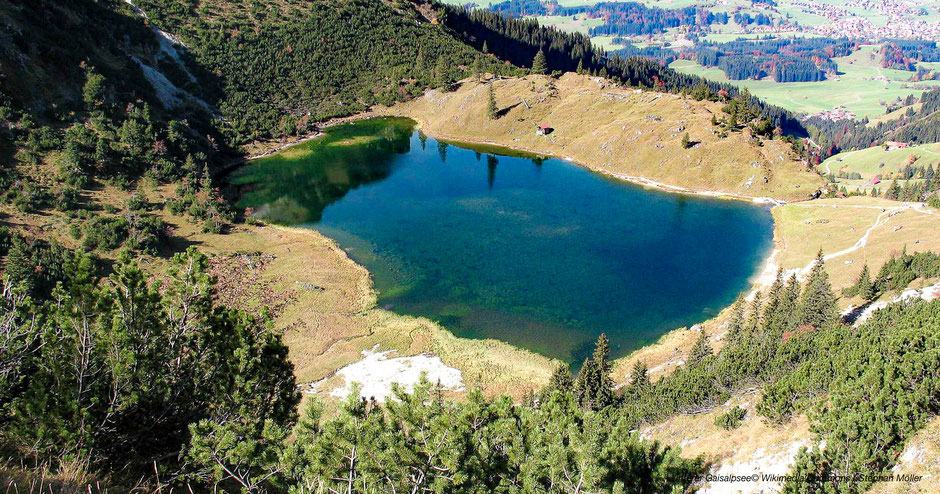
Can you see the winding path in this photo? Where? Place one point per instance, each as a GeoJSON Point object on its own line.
{"type": "Point", "coordinates": [880, 221]}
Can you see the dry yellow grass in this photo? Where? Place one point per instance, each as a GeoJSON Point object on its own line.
{"type": "Point", "coordinates": [836, 225]}
{"type": "Point", "coordinates": [921, 457]}
{"type": "Point", "coordinates": [631, 134]}
{"type": "Point", "coordinates": [754, 447]}
{"type": "Point", "coordinates": [329, 328]}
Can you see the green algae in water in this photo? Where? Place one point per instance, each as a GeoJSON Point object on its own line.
{"type": "Point", "coordinates": [492, 243]}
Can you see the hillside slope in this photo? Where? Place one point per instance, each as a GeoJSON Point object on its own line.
{"type": "Point", "coordinates": [272, 68]}
{"type": "Point", "coordinates": [625, 133]}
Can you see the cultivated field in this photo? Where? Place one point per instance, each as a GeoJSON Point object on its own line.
{"type": "Point", "coordinates": [862, 87]}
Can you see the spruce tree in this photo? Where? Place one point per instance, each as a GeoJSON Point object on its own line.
{"type": "Point", "coordinates": [753, 321]}
{"type": "Point", "coordinates": [864, 287]}
{"type": "Point", "coordinates": [419, 63]}
{"type": "Point", "coordinates": [585, 384]}
{"type": "Point", "coordinates": [486, 48]}
{"type": "Point", "coordinates": [580, 69]}
{"type": "Point", "coordinates": [639, 378]}
{"type": "Point", "coordinates": [602, 354]}
{"type": "Point", "coordinates": [894, 191]}
{"type": "Point", "coordinates": [477, 68]}
{"type": "Point", "coordinates": [700, 351]}
{"type": "Point", "coordinates": [442, 78]}
{"type": "Point", "coordinates": [491, 110]}
{"type": "Point", "coordinates": [561, 379]}
{"type": "Point", "coordinates": [604, 387]}
{"type": "Point", "coordinates": [736, 322]}
{"type": "Point", "coordinates": [539, 64]}
{"type": "Point", "coordinates": [773, 316]}
{"type": "Point", "coordinates": [818, 305]}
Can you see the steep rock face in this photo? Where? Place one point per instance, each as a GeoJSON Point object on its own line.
{"type": "Point", "coordinates": [628, 133]}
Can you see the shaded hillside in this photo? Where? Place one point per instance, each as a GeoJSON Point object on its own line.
{"type": "Point", "coordinates": [627, 133]}
{"type": "Point", "coordinates": [285, 64]}
{"type": "Point", "coordinates": [42, 65]}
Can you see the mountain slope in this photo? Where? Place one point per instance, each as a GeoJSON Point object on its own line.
{"type": "Point", "coordinates": [272, 68]}
{"type": "Point", "coordinates": [626, 133]}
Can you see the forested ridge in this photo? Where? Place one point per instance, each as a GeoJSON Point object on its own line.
{"type": "Point", "coordinates": [622, 18]}
{"type": "Point", "coordinates": [914, 126]}
{"type": "Point", "coordinates": [785, 60]}
{"type": "Point", "coordinates": [520, 40]}
{"type": "Point", "coordinates": [276, 69]}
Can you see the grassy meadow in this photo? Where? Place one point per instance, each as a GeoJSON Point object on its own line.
{"type": "Point", "coordinates": [620, 132]}
{"type": "Point", "coordinates": [834, 225]}
{"type": "Point", "coordinates": [876, 161]}
{"type": "Point", "coordinates": [863, 87]}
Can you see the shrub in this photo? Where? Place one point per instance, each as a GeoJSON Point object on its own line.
{"type": "Point", "coordinates": [731, 419]}
{"type": "Point", "coordinates": [105, 233]}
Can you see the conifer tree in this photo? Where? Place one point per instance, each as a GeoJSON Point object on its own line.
{"type": "Point", "coordinates": [894, 191]}
{"type": "Point", "coordinates": [580, 69]}
{"type": "Point", "coordinates": [561, 379]}
{"type": "Point", "coordinates": [585, 384]}
{"type": "Point", "coordinates": [604, 395]}
{"type": "Point", "coordinates": [753, 321]}
{"type": "Point", "coordinates": [539, 64]}
{"type": "Point", "coordinates": [486, 48]}
{"type": "Point", "coordinates": [442, 78]}
{"type": "Point", "coordinates": [477, 68]}
{"type": "Point", "coordinates": [774, 318]}
{"type": "Point", "coordinates": [818, 304]}
{"type": "Point", "coordinates": [736, 322]}
{"type": "Point", "coordinates": [491, 110]}
{"type": "Point", "coordinates": [419, 63]}
{"type": "Point", "coordinates": [864, 286]}
{"type": "Point", "coordinates": [602, 354]}
{"type": "Point", "coordinates": [700, 351]}
{"type": "Point", "coordinates": [639, 377]}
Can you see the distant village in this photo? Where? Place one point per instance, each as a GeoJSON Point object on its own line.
{"type": "Point", "coordinates": [836, 114]}
{"type": "Point", "coordinates": [902, 20]}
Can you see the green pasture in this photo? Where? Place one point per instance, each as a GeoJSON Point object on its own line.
{"type": "Point", "coordinates": [863, 87]}
{"type": "Point", "coordinates": [875, 161]}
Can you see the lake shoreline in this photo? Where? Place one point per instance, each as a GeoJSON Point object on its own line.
{"type": "Point", "coordinates": [669, 336]}
{"type": "Point", "coordinates": [637, 180]}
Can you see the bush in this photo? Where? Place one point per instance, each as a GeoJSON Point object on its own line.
{"type": "Point", "coordinates": [731, 419]}
{"type": "Point", "coordinates": [137, 202]}
{"type": "Point", "coordinates": [66, 199]}
{"type": "Point", "coordinates": [105, 233]}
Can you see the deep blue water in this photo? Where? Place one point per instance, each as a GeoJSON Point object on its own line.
{"type": "Point", "coordinates": [542, 254]}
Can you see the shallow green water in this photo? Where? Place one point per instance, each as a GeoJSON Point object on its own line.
{"type": "Point", "coordinates": [542, 254]}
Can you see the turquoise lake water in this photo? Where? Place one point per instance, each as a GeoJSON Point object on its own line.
{"type": "Point", "coordinates": [540, 253]}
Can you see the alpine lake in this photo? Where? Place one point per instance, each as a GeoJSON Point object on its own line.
{"type": "Point", "coordinates": [492, 243]}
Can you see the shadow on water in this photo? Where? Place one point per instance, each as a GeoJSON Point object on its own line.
{"type": "Point", "coordinates": [296, 185]}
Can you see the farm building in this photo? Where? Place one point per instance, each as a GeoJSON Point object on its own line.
{"type": "Point", "coordinates": [543, 130]}
{"type": "Point", "coordinates": [892, 145]}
